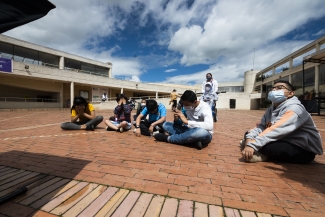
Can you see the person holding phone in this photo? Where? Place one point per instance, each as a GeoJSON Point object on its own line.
{"type": "Point", "coordinates": [82, 116]}
{"type": "Point", "coordinates": [196, 128]}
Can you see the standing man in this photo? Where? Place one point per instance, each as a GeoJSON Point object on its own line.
{"type": "Point", "coordinates": [104, 97]}
{"type": "Point", "coordinates": [209, 94]}
{"type": "Point", "coordinates": [173, 99]}
{"type": "Point", "coordinates": [196, 129]}
{"type": "Point", "coordinates": [286, 132]}
{"type": "Point", "coordinates": [157, 116]}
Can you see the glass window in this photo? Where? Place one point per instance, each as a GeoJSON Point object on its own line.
{"type": "Point", "coordinates": [296, 81]}
{"type": "Point", "coordinates": [309, 79]}
{"type": "Point", "coordinates": [101, 70]}
{"type": "Point", "coordinates": [321, 87]}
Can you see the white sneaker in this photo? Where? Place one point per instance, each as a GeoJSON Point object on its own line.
{"type": "Point", "coordinates": [135, 130]}
{"type": "Point", "coordinates": [154, 133]}
{"type": "Point", "coordinates": [258, 157]}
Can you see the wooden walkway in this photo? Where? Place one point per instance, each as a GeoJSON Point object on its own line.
{"type": "Point", "coordinates": [56, 196]}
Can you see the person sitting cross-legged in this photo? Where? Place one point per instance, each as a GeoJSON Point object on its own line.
{"type": "Point", "coordinates": [286, 131]}
{"type": "Point", "coordinates": [196, 129]}
{"type": "Point", "coordinates": [122, 114]}
{"type": "Point", "coordinates": [157, 116]}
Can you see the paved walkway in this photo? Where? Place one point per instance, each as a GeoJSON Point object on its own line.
{"type": "Point", "coordinates": [144, 175]}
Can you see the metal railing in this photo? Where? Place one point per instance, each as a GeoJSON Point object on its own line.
{"type": "Point", "coordinates": [135, 98]}
{"type": "Point", "coordinates": [25, 99]}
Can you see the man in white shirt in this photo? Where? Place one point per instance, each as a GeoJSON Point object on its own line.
{"type": "Point", "coordinates": [104, 97]}
{"type": "Point", "coordinates": [196, 129]}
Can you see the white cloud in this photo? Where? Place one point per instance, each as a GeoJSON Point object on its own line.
{"type": "Point", "coordinates": [170, 70]}
{"type": "Point", "coordinates": [320, 33]}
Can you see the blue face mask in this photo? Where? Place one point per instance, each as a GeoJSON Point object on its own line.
{"type": "Point", "coordinates": [276, 96]}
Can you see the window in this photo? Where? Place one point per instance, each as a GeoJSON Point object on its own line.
{"type": "Point", "coordinates": [84, 94]}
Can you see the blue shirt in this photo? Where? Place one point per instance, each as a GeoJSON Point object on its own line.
{"type": "Point", "coordinates": [161, 112]}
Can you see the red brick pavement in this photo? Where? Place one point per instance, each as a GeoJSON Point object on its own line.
{"type": "Point", "coordinates": [33, 140]}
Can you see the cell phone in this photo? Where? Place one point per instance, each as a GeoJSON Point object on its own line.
{"type": "Point", "coordinates": [179, 106]}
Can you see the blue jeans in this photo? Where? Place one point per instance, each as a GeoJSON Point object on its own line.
{"type": "Point", "coordinates": [184, 135]}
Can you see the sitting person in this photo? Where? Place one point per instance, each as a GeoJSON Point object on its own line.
{"type": "Point", "coordinates": [157, 116]}
{"type": "Point", "coordinates": [82, 116]}
{"type": "Point", "coordinates": [286, 132]}
{"type": "Point", "coordinates": [140, 108]}
{"type": "Point", "coordinates": [122, 114]}
{"type": "Point", "coordinates": [196, 129]}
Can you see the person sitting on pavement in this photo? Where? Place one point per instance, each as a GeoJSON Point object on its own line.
{"type": "Point", "coordinates": [140, 108]}
{"type": "Point", "coordinates": [157, 116]}
{"type": "Point", "coordinates": [82, 116]}
{"type": "Point", "coordinates": [197, 128]}
{"type": "Point", "coordinates": [122, 114]}
{"type": "Point", "coordinates": [286, 131]}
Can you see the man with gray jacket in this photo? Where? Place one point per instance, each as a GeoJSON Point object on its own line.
{"type": "Point", "coordinates": [286, 132]}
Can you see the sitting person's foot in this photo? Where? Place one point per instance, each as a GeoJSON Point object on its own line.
{"type": "Point", "coordinates": [154, 133]}
{"type": "Point", "coordinates": [90, 127]}
{"type": "Point", "coordinates": [135, 130]}
{"type": "Point", "coordinates": [120, 130]}
{"type": "Point", "coordinates": [198, 145]}
{"type": "Point", "coordinates": [242, 144]}
{"type": "Point", "coordinates": [161, 137]}
{"type": "Point", "coordinates": [258, 157]}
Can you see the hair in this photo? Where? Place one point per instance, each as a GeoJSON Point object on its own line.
{"type": "Point", "coordinates": [174, 90]}
{"type": "Point", "coordinates": [189, 96]}
{"type": "Point", "coordinates": [291, 87]}
{"type": "Point", "coordinates": [151, 105]}
{"type": "Point", "coordinates": [79, 100]}
{"type": "Point", "coordinates": [143, 99]}
{"type": "Point", "coordinates": [209, 74]}
{"type": "Point", "coordinates": [121, 96]}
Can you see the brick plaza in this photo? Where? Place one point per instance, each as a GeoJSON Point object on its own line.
{"type": "Point", "coordinates": [156, 179]}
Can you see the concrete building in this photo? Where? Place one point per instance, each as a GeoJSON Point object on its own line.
{"type": "Point", "coordinates": [42, 77]}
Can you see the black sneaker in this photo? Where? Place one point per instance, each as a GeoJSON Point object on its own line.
{"type": "Point", "coordinates": [90, 127]}
{"type": "Point", "coordinates": [198, 145]}
{"type": "Point", "coordinates": [161, 137]}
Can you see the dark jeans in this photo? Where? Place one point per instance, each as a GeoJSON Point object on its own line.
{"type": "Point", "coordinates": [76, 125]}
{"type": "Point", "coordinates": [145, 125]}
{"type": "Point", "coordinates": [284, 151]}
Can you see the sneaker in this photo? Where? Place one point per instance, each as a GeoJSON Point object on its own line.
{"type": "Point", "coordinates": [258, 157]}
{"type": "Point", "coordinates": [154, 133]}
{"type": "Point", "coordinates": [161, 137]}
{"type": "Point", "coordinates": [120, 130]}
{"type": "Point", "coordinates": [135, 130]}
{"type": "Point", "coordinates": [90, 127]}
{"type": "Point", "coordinates": [198, 145]}
{"type": "Point", "coordinates": [242, 144]}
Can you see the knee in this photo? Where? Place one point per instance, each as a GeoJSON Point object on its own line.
{"type": "Point", "coordinates": [100, 118]}
{"type": "Point", "coordinates": [64, 126]}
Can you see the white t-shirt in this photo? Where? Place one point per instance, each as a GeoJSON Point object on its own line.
{"type": "Point", "coordinates": [104, 96]}
{"type": "Point", "coordinates": [213, 83]}
{"type": "Point", "coordinates": [200, 117]}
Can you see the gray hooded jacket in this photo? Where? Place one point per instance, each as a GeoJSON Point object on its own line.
{"type": "Point", "coordinates": [289, 122]}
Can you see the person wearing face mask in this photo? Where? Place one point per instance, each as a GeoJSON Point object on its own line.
{"type": "Point", "coordinates": [196, 128]}
{"type": "Point", "coordinates": [209, 93]}
{"type": "Point", "coordinates": [286, 131]}
{"type": "Point", "coordinates": [140, 108]}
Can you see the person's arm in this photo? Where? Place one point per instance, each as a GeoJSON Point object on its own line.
{"type": "Point", "coordinates": [74, 115]}
{"type": "Point", "coordinates": [162, 119]}
{"type": "Point", "coordinates": [137, 125]}
{"type": "Point", "coordinates": [284, 125]}
{"type": "Point", "coordinates": [203, 87]}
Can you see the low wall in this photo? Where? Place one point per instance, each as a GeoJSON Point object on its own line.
{"type": "Point", "coordinates": [27, 105]}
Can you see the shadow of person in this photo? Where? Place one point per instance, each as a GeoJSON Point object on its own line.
{"type": "Point", "coordinates": [37, 177]}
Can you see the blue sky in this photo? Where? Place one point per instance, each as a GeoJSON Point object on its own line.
{"type": "Point", "coordinates": [177, 41]}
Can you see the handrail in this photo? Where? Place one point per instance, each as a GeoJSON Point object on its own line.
{"type": "Point", "coordinates": [26, 99]}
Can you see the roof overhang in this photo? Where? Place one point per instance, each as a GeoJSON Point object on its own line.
{"type": "Point", "coordinates": [317, 57]}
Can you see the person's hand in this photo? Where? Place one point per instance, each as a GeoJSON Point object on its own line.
{"type": "Point", "coordinates": [138, 132]}
{"type": "Point", "coordinates": [151, 129]}
{"type": "Point", "coordinates": [176, 116]}
{"type": "Point", "coordinates": [179, 114]}
{"type": "Point", "coordinates": [80, 110]}
{"type": "Point", "coordinates": [247, 153]}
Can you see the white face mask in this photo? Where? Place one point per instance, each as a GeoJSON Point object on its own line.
{"type": "Point", "coordinates": [188, 108]}
{"type": "Point", "coordinates": [143, 104]}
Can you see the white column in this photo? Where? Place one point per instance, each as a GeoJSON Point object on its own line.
{"type": "Point", "coordinates": [156, 94]}
{"type": "Point", "coordinates": [290, 79]}
{"type": "Point", "coordinates": [61, 63]}
{"type": "Point", "coordinates": [291, 62]}
{"type": "Point", "coordinates": [273, 71]}
{"type": "Point", "coordinates": [71, 93]}
{"type": "Point", "coordinates": [109, 72]}
{"type": "Point", "coordinates": [61, 96]}
{"type": "Point", "coordinates": [316, 78]}
{"type": "Point", "coordinates": [121, 90]}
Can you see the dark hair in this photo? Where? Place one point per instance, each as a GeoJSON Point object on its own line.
{"type": "Point", "coordinates": [121, 96]}
{"type": "Point", "coordinates": [151, 105]}
{"type": "Point", "coordinates": [209, 74]}
{"type": "Point", "coordinates": [189, 96]}
{"type": "Point", "coordinates": [79, 100]}
{"type": "Point", "coordinates": [174, 90]}
{"type": "Point", "coordinates": [291, 87]}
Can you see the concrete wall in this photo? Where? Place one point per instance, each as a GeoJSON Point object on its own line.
{"type": "Point", "coordinates": [27, 105]}
{"type": "Point", "coordinates": [249, 81]}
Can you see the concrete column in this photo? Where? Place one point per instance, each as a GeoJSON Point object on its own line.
{"type": "Point", "coordinates": [317, 78]}
{"type": "Point", "coordinates": [110, 72]}
{"type": "Point", "coordinates": [291, 63]}
{"type": "Point", "coordinates": [71, 93]}
{"type": "Point", "coordinates": [61, 96]}
{"type": "Point", "coordinates": [156, 94]}
{"type": "Point", "coordinates": [121, 90]}
{"type": "Point", "coordinates": [317, 47]}
{"type": "Point", "coordinates": [290, 79]}
{"type": "Point", "coordinates": [61, 63]}
{"type": "Point", "coordinates": [261, 88]}
{"type": "Point", "coordinates": [273, 71]}
{"type": "Point", "coordinates": [110, 93]}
